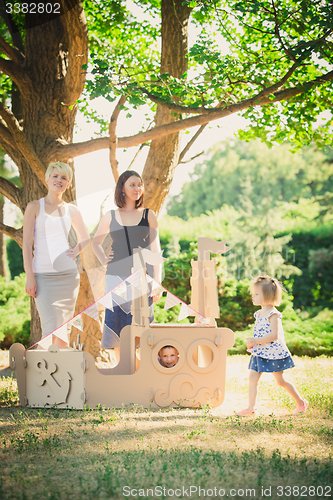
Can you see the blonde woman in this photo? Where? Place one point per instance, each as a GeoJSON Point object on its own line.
{"type": "Point", "coordinates": [52, 277]}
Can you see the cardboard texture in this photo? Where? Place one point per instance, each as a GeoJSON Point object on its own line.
{"type": "Point", "coordinates": [69, 378]}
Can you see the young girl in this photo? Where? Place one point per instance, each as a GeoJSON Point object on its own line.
{"type": "Point", "coordinates": [269, 352]}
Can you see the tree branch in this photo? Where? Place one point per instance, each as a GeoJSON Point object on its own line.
{"type": "Point", "coordinates": [190, 143]}
{"type": "Point", "coordinates": [5, 135]}
{"type": "Point", "coordinates": [76, 27]}
{"type": "Point", "coordinates": [8, 144]}
{"type": "Point", "coordinates": [10, 191]}
{"type": "Point", "coordinates": [17, 74]}
{"type": "Point", "coordinates": [192, 158]}
{"type": "Point", "coordinates": [293, 91]}
{"type": "Point", "coordinates": [278, 35]}
{"type": "Point", "coordinates": [12, 52]}
{"type": "Point", "coordinates": [113, 137]}
{"type": "Point", "coordinates": [202, 110]}
{"type": "Point", "coordinates": [175, 107]}
{"type": "Point", "coordinates": [273, 88]}
{"type": "Point", "coordinates": [15, 234]}
{"type": "Point", "coordinates": [22, 142]}
{"type": "Point", "coordinates": [12, 27]}
{"type": "Point", "coordinates": [78, 149]}
{"type": "Point", "coordinates": [130, 166]}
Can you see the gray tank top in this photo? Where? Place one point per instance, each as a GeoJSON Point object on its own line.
{"type": "Point", "coordinates": [124, 240]}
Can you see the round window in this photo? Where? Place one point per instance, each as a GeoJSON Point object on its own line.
{"type": "Point", "coordinates": [203, 356]}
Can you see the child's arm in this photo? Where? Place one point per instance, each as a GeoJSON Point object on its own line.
{"type": "Point", "coordinates": [269, 337]}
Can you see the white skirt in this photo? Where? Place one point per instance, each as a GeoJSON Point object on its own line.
{"type": "Point", "coordinates": [56, 298]}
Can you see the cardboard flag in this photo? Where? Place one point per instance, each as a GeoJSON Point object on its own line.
{"type": "Point", "coordinates": [185, 311]}
{"type": "Point", "coordinates": [61, 333]}
{"type": "Point", "coordinates": [92, 311]}
{"type": "Point", "coordinates": [45, 342]}
{"type": "Point", "coordinates": [77, 322]}
{"type": "Point", "coordinates": [156, 290]}
{"type": "Point", "coordinates": [202, 320]}
{"type": "Point", "coordinates": [170, 301]}
{"type": "Point", "coordinates": [134, 279]}
{"type": "Point", "coordinates": [106, 301]}
{"type": "Point", "coordinates": [121, 290]}
{"type": "Point", "coordinates": [192, 311]}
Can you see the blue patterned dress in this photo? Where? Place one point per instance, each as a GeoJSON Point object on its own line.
{"type": "Point", "coordinates": [271, 356]}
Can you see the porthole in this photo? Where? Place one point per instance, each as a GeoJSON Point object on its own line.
{"type": "Point", "coordinates": [203, 356]}
{"type": "Point", "coordinates": [173, 354]}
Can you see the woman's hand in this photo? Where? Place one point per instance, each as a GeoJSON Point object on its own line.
{"type": "Point", "coordinates": [157, 297]}
{"type": "Point", "coordinates": [102, 231]}
{"type": "Point", "coordinates": [71, 254]}
{"type": "Point", "coordinates": [109, 257]}
{"type": "Point", "coordinates": [31, 287]}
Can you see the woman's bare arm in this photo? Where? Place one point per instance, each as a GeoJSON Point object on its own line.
{"type": "Point", "coordinates": [30, 215]}
{"type": "Point", "coordinates": [81, 233]}
{"type": "Point", "coordinates": [155, 245]}
{"type": "Point", "coordinates": [102, 231]}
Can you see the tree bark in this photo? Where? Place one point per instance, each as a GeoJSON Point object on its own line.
{"type": "Point", "coordinates": [52, 78]}
{"type": "Point", "coordinates": [164, 152]}
{"type": "Point", "coordinates": [48, 74]}
{"type": "Point", "coordinates": [35, 326]}
{"type": "Point", "coordinates": [3, 253]}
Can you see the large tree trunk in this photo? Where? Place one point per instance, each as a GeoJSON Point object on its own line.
{"type": "Point", "coordinates": [55, 51]}
{"type": "Point", "coordinates": [3, 253]}
{"type": "Point", "coordinates": [164, 153]}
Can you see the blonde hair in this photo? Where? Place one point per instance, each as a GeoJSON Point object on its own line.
{"type": "Point", "coordinates": [63, 169]}
{"type": "Point", "coordinates": [271, 289]}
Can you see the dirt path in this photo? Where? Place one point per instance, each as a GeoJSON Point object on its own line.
{"type": "Point", "coordinates": [5, 371]}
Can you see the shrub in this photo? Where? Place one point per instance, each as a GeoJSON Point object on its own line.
{"type": "Point", "coordinates": [15, 310]}
{"type": "Point", "coordinates": [312, 252]}
{"type": "Point", "coordinates": [15, 258]}
{"type": "Point", "coordinates": [168, 316]}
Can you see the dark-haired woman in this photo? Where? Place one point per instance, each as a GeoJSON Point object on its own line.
{"type": "Point", "coordinates": [130, 226]}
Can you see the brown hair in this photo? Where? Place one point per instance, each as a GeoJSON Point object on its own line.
{"type": "Point", "coordinates": [271, 289]}
{"type": "Point", "coordinates": [119, 194]}
{"type": "Point", "coordinates": [167, 347]}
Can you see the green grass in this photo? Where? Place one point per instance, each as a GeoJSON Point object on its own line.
{"type": "Point", "coordinates": [95, 454]}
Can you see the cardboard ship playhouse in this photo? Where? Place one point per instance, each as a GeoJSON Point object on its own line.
{"type": "Point", "coordinates": [69, 378]}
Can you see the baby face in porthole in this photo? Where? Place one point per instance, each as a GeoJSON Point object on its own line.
{"type": "Point", "coordinates": [168, 356]}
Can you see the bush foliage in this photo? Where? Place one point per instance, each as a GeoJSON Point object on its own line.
{"type": "Point", "coordinates": [308, 328]}
{"type": "Point", "coordinates": [15, 258]}
{"type": "Point", "coordinates": [312, 251]}
{"type": "Point", "coordinates": [15, 311]}
{"type": "Point", "coordinates": [307, 332]}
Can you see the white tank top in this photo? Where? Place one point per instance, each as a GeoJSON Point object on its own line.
{"type": "Point", "coordinates": [51, 241]}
